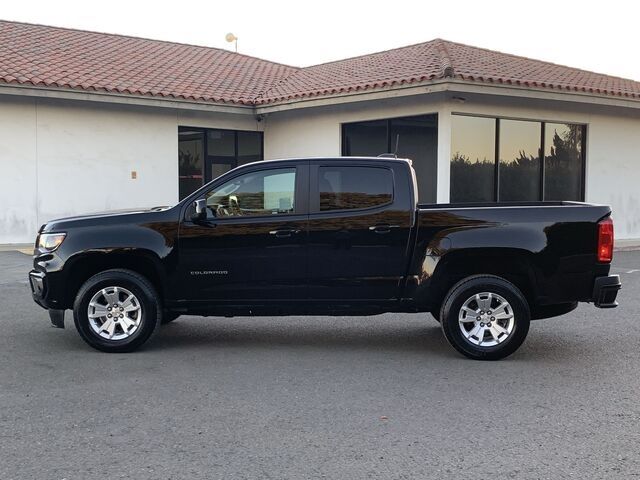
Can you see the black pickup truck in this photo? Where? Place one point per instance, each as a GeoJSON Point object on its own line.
{"type": "Point", "coordinates": [334, 236]}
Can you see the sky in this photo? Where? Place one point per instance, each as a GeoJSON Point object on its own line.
{"type": "Point", "coordinates": [597, 36]}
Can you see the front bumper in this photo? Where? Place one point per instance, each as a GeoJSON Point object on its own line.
{"type": "Point", "coordinates": [37, 281]}
{"type": "Point", "coordinates": [605, 291]}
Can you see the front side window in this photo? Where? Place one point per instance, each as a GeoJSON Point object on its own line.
{"type": "Point", "coordinates": [262, 193]}
{"type": "Point", "coordinates": [346, 188]}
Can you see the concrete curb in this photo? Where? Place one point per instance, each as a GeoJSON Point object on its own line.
{"type": "Point", "coordinates": [627, 245]}
{"type": "Point", "coordinates": [624, 245]}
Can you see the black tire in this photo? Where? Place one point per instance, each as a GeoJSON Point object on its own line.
{"type": "Point", "coordinates": [169, 317]}
{"type": "Point", "coordinates": [461, 292]}
{"type": "Point", "coordinates": [145, 293]}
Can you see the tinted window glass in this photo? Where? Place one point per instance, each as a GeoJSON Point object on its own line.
{"type": "Point", "coordinates": [519, 167]}
{"type": "Point", "coordinates": [221, 143]}
{"type": "Point", "coordinates": [473, 141]}
{"type": "Point", "coordinates": [417, 139]}
{"type": "Point", "coordinates": [563, 161]}
{"type": "Point", "coordinates": [249, 147]}
{"type": "Point", "coordinates": [343, 188]}
{"type": "Point", "coordinates": [365, 138]}
{"type": "Point", "coordinates": [267, 192]}
{"type": "Point", "coordinates": [190, 161]}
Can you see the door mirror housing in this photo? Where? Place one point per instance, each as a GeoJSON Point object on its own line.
{"type": "Point", "coordinates": [200, 210]}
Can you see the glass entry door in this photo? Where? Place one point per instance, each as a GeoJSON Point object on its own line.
{"type": "Point", "coordinates": [205, 154]}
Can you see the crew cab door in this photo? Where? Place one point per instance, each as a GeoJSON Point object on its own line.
{"type": "Point", "coordinates": [252, 246]}
{"type": "Point", "coordinates": [361, 213]}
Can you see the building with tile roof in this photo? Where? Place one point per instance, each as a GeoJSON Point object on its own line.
{"type": "Point", "coordinates": [154, 120]}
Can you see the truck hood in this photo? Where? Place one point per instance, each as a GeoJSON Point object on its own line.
{"type": "Point", "coordinates": [111, 216]}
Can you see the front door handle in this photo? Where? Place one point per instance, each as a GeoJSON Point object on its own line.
{"type": "Point", "coordinates": [285, 232]}
{"type": "Point", "coordinates": [382, 228]}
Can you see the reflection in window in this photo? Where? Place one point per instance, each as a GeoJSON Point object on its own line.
{"type": "Point", "coordinates": [343, 188]}
{"type": "Point", "coordinates": [472, 159]}
{"type": "Point", "coordinates": [519, 168]}
{"type": "Point", "coordinates": [267, 192]}
{"type": "Point", "coordinates": [563, 161]}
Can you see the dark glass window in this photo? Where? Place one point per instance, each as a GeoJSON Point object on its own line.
{"type": "Point", "coordinates": [267, 192]}
{"type": "Point", "coordinates": [344, 188]}
{"type": "Point", "coordinates": [365, 139]}
{"type": "Point", "coordinates": [516, 164]}
{"type": "Point", "coordinates": [519, 167]}
{"type": "Point", "coordinates": [473, 159]}
{"type": "Point", "coordinates": [416, 138]}
{"type": "Point", "coordinates": [190, 161]}
{"type": "Point", "coordinates": [249, 147]}
{"type": "Point", "coordinates": [563, 161]}
{"type": "Point", "coordinates": [205, 154]}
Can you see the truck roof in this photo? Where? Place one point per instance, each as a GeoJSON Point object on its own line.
{"type": "Point", "coordinates": [336, 158]}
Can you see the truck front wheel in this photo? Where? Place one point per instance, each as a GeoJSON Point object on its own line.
{"type": "Point", "coordinates": [117, 311]}
{"type": "Point", "coordinates": [485, 317]}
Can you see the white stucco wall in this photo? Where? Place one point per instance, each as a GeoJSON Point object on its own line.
{"type": "Point", "coordinates": [61, 158]}
{"type": "Point", "coordinates": [18, 178]}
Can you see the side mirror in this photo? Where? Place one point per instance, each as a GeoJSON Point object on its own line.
{"type": "Point", "coordinates": [200, 210]}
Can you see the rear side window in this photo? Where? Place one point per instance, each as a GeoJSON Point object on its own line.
{"type": "Point", "coordinates": [346, 188]}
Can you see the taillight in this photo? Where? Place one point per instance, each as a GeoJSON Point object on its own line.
{"type": "Point", "coordinates": [605, 240]}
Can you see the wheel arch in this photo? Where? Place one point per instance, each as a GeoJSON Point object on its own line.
{"type": "Point", "coordinates": [82, 267]}
{"type": "Point", "coordinates": [513, 264]}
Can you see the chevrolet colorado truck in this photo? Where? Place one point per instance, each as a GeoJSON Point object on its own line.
{"type": "Point", "coordinates": [325, 236]}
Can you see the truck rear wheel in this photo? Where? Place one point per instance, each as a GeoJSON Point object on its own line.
{"type": "Point", "coordinates": [117, 311]}
{"type": "Point", "coordinates": [485, 317]}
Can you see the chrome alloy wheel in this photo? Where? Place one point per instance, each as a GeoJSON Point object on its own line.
{"type": "Point", "coordinates": [486, 319]}
{"type": "Point", "coordinates": [114, 313]}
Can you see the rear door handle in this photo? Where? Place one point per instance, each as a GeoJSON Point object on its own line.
{"type": "Point", "coordinates": [382, 228]}
{"type": "Point", "coordinates": [284, 232]}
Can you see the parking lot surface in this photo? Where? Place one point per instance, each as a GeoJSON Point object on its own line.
{"type": "Point", "coordinates": [319, 397]}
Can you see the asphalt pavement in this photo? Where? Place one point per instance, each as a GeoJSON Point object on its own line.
{"type": "Point", "coordinates": [319, 397]}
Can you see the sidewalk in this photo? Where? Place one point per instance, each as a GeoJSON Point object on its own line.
{"type": "Point", "coordinates": [26, 248]}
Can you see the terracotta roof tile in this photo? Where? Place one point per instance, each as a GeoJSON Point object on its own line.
{"type": "Point", "coordinates": [45, 56]}
{"type": "Point", "coordinates": [59, 57]}
{"type": "Point", "coordinates": [437, 60]}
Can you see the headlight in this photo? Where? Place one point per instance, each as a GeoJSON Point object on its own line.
{"type": "Point", "coordinates": [50, 241]}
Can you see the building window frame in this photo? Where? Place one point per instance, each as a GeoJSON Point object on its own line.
{"type": "Point", "coordinates": [541, 152]}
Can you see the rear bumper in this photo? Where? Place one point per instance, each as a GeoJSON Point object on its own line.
{"type": "Point", "coordinates": [605, 291]}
